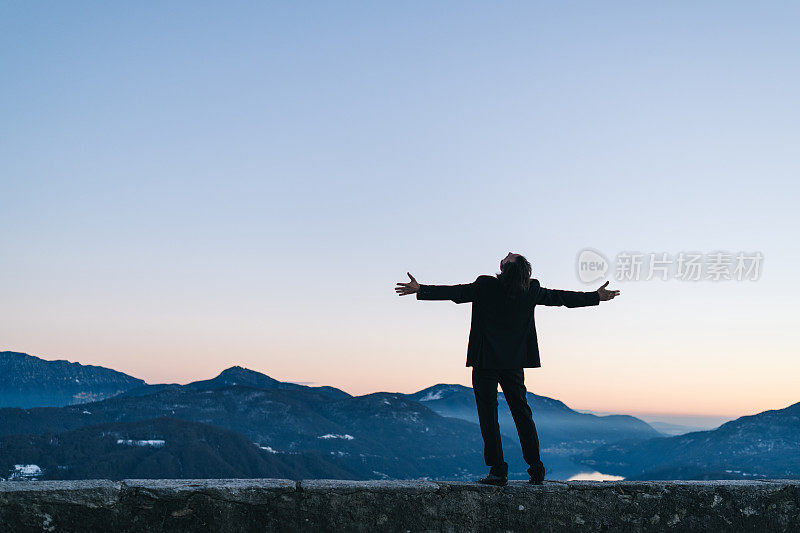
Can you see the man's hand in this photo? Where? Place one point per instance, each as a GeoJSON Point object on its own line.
{"type": "Point", "coordinates": [404, 289]}
{"type": "Point", "coordinates": [604, 293]}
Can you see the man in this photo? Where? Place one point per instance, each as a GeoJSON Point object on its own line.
{"type": "Point", "coordinates": [502, 341]}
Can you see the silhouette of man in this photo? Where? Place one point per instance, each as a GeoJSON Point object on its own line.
{"type": "Point", "coordinates": [502, 341]}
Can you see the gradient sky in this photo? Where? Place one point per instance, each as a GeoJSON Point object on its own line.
{"type": "Point", "coordinates": [186, 186]}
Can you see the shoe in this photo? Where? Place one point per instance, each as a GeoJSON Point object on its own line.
{"type": "Point", "coordinates": [537, 476]}
{"type": "Point", "coordinates": [492, 479]}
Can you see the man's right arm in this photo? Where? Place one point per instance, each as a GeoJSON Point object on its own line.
{"type": "Point", "coordinates": [456, 293]}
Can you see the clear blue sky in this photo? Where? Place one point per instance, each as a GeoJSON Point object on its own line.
{"type": "Point", "coordinates": [190, 185]}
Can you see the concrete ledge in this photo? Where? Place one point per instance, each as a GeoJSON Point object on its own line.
{"type": "Point", "coordinates": [333, 505]}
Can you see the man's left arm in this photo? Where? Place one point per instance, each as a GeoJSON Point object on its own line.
{"type": "Point", "coordinates": [558, 297]}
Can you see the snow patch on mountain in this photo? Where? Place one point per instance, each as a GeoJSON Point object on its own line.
{"type": "Point", "coordinates": [155, 443]}
{"type": "Point", "coordinates": [25, 472]}
{"type": "Point", "coordinates": [436, 394]}
{"type": "Point", "coordinates": [268, 449]}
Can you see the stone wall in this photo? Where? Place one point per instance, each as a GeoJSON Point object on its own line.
{"type": "Point", "coordinates": [327, 505]}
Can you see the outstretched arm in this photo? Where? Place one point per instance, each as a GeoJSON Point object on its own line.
{"type": "Point", "coordinates": [573, 298]}
{"type": "Point", "coordinates": [457, 293]}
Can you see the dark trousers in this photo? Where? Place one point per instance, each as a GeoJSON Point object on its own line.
{"type": "Point", "coordinates": [484, 383]}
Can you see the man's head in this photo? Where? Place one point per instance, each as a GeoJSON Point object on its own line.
{"type": "Point", "coordinates": [509, 258]}
{"type": "Point", "coordinates": [515, 273]}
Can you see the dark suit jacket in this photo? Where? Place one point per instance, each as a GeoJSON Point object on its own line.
{"type": "Point", "coordinates": [503, 331]}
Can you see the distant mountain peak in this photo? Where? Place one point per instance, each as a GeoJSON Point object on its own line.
{"type": "Point", "coordinates": [238, 375]}
{"type": "Point", "coordinates": [241, 372]}
{"type": "Point", "coordinates": [438, 392]}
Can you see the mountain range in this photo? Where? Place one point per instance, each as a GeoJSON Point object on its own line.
{"type": "Point", "coordinates": [380, 435]}
{"type": "Point", "coordinates": [242, 423]}
{"type": "Point", "coordinates": [562, 431]}
{"type": "Point", "coordinates": [765, 445]}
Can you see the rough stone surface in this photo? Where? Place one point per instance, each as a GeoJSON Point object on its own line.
{"type": "Point", "coordinates": [331, 505]}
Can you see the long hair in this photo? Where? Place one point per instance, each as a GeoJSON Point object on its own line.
{"type": "Point", "coordinates": [515, 276]}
